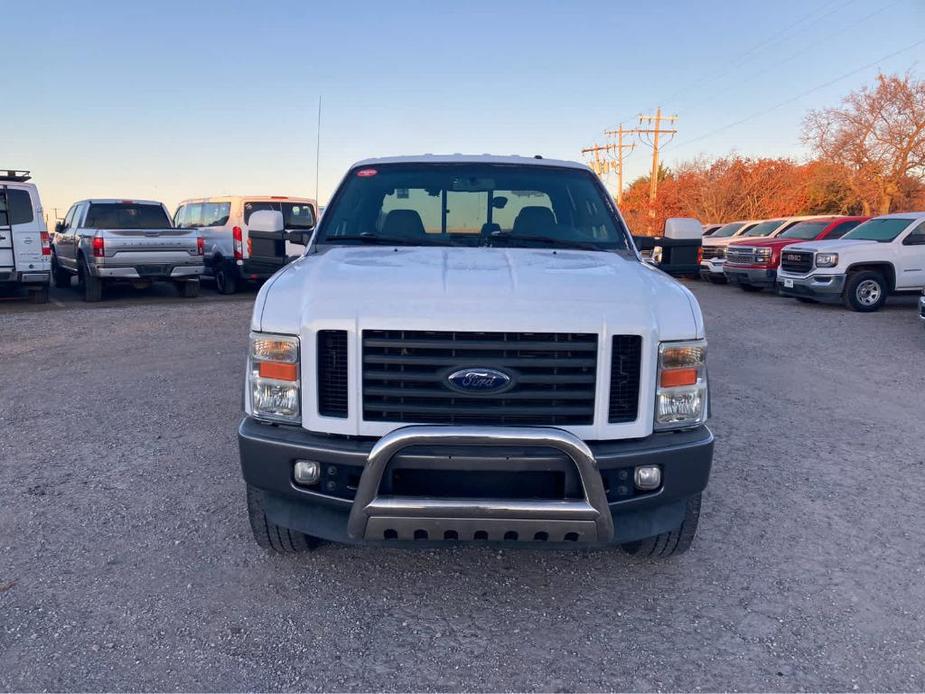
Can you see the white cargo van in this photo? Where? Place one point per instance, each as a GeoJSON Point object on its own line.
{"type": "Point", "coordinates": [234, 255]}
{"type": "Point", "coordinates": [25, 252]}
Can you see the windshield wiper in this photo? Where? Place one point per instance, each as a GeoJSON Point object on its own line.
{"type": "Point", "coordinates": [378, 239]}
{"type": "Point", "coordinates": [551, 240]}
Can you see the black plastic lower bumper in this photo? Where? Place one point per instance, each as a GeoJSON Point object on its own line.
{"type": "Point", "coordinates": [268, 452]}
{"type": "Point", "coordinates": [754, 277]}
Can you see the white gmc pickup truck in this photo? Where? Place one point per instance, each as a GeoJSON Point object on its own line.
{"type": "Point", "coordinates": [470, 349]}
{"type": "Point", "coordinates": [884, 255]}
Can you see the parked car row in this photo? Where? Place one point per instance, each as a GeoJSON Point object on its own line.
{"type": "Point", "coordinates": [858, 261]}
{"type": "Point", "coordinates": [105, 241]}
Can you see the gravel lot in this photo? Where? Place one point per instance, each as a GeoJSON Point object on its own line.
{"type": "Point", "coordinates": [126, 561]}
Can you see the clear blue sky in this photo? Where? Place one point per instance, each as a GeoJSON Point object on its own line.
{"type": "Point", "coordinates": [169, 100]}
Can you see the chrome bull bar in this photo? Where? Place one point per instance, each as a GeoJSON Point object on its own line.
{"type": "Point", "coordinates": [375, 517]}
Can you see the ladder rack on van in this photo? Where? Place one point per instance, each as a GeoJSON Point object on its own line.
{"type": "Point", "coordinates": [15, 175]}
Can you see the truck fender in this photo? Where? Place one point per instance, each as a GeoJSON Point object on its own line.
{"type": "Point", "coordinates": [884, 267]}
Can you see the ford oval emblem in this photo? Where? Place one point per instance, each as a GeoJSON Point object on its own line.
{"type": "Point", "coordinates": [479, 380]}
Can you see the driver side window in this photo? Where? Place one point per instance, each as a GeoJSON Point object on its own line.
{"type": "Point", "coordinates": [916, 237]}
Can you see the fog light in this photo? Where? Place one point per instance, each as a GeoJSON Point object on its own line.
{"type": "Point", "coordinates": [648, 477]}
{"type": "Point", "coordinates": [307, 471]}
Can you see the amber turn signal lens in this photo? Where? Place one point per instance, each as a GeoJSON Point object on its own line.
{"type": "Point", "coordinates": [277, 371]}
{"type": "Point", "coordinates": [678, 377]}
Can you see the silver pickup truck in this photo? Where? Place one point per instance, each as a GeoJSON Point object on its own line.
{"type": "Point", "coordinates": [105, 241]}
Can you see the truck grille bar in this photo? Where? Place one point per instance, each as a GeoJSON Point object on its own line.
{"type": "Point", "coordinates": [796, 261]}
{"type": "Point", "coordinates": [405, 377]}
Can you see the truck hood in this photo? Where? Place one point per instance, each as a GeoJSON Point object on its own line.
{"type": "Point", "coordinates": [833, 246]}
{"type": "Point", "coordinates": [725, 241]}
{"type": "Point", "coordinates": [478, 289]}
{"type": "Point", "coordinates": [762, 242]}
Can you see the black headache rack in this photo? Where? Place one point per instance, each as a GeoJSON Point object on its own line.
{"type": "Point", "coordinates": [15, 175]}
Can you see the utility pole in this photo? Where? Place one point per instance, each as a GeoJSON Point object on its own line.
{"type": "Point", "coordinates": [598, 165]}
{"type": "Point", "coordinates": [619, 147]}
{"type": "Point", "coordinates": [655, 132]}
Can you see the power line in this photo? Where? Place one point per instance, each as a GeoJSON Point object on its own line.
{"type": "Point", "coordinates": [812, 47]}
{"type": "Point", "coordinates": [798, 96]}
{"type": "Point", "coordinates": [736, 61]}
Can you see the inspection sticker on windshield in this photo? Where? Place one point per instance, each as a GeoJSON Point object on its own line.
{"type": "Point", "coordinates": [366, 173]}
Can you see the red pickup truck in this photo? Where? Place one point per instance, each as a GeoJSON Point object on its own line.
{"type": "Point", "coordinates": [752, 264]}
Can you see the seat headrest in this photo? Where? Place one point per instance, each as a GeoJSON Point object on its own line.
{"type": "Point", "coordinates": [403, 223]}
{"type": "Point", "coordinates": [534, 220]}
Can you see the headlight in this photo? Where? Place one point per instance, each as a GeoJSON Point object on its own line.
{"type": "Point", "coordinates": [273, 377]}
{"type": "Point", "coordinates": [762, 255]}
{"type": "Point", "coordinates": [681, 395]}
{"type": "Point", "coordinates": [826, 259]}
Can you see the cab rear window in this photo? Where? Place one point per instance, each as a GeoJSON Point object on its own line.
{"type": "Point", "coordinates": [126, 216]}
{"type": "Point", "coordinates": [15, 207]}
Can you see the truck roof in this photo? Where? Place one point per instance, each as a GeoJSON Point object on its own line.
{"type": "Point", "coordinates": [900, 215]}
{"type": "Point", "coordinates": [472, 159]}
{"type": "Point", "coordinates": [257, 198]}
{"type": "Point", "coordinates": [116, 201]}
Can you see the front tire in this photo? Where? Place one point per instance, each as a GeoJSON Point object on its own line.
{"type": "Point", "coordinates": [673, 542]}
{"type": "Point", "coordinates": [270, 536]}
{"type": "Point", "coordinates": [60, 276]}
{"type": "Point", "coordinates": [865, 291]}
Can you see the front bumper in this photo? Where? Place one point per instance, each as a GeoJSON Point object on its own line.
{"type": "Point", "coordinates": [359, 498]}
{"type": "Point", "coordinates": [148, 272]}
{"type": "Point", "coordinates": [753, 276]}
{"type": "Point", "coordinates": [825, 288]}
{"type": "Point", "coordinates": [712, 267]}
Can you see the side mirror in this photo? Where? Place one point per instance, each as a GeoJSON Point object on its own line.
{"type": "Point", "coordinates": [686, 228]}
{"type": "Point", "coordinates": [59, 227]}
{"type": "Point", "coordinates": [300, 238]}
{"type": "Point", "coordinates": [268, 221]}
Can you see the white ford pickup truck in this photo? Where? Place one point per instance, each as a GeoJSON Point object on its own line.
{"type": "Point", "coordinates": [884, 255]}
{"type": "Point", "coordinates": [470, 349]}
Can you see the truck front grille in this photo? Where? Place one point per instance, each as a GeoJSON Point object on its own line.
{"type": "Point", "coordinates": [742, 255]}
{"type": "Point", "coordinates": [406, 377]}
{"type": "Point", "coordinates": [710, 252]}
{"type": "Point", "coordinates": [796, 261]}
{"type": "Point", "coordinates": [624, 378]}
{"type": "Point", "coordinates": [332, 373]}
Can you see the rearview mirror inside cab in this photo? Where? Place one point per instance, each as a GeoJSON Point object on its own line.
{"type": "Point", "coordinates": [683, 228]}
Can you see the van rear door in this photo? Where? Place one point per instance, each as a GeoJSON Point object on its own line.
{"type": "Point", "coordinates": [21, 230]}
{"type": "Point", "coordinates": [270, 250]}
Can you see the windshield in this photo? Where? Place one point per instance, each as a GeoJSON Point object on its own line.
{"type": "Point", "coordinates": [882, 230]}
{"type": "Point", "coordinates": [470, 205]}
{"type": "Point", "coordinates": [727, 230]}
{"type": "Point", "coordinates": [124, 215]}
{"type": "Point", "coordinates": [805, 230]}
{"type": "Point", "coordinates": [296, 215]}
{"type": "Point", "coordinates": [764, 228]}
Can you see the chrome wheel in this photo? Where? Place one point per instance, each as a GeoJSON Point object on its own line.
{"type": "Point", "coordinates": [868, 292]}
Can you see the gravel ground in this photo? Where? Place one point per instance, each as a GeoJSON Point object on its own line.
{"type": "Point", "coordinates": [126, 561]}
